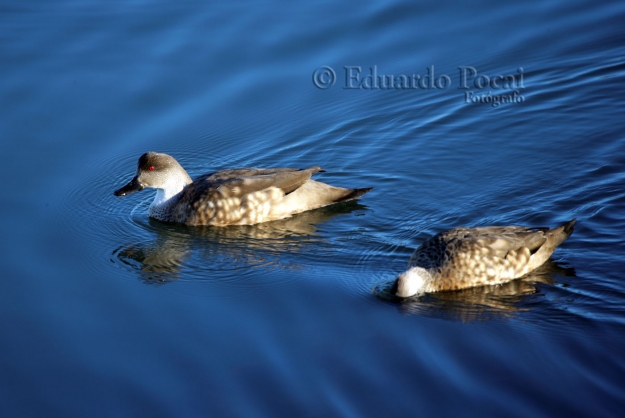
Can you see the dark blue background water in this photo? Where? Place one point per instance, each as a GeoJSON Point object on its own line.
{"type": "Point", "coordinates": [106, 313]}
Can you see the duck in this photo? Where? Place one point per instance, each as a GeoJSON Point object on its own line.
{"type": "Point", "coordinates": [240, 196]}
{"type": "Point", "coordinates": [466, 257]}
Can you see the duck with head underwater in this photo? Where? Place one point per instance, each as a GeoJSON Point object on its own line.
{"type": "Point", "coordinates": [467, 257]}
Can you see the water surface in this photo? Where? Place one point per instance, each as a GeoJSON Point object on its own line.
{"type": "Point", "coordinates": [108, 313]}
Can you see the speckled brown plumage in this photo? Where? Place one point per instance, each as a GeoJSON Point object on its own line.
{"type": "Point", "coordinates": [466, 257]}
{"type": "Point", "coordinates": [241, 196]}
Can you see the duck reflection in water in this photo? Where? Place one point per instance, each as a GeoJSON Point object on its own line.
{"type": "Point", "coordinates": [160, 260]}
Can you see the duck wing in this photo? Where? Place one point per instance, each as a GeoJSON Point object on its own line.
{"type": "Point", "coordinates": [503, 239]}
{"type": "Point", "coordinates": [490, 242]}
{"type": "Point", "coordinates": [242, 181]}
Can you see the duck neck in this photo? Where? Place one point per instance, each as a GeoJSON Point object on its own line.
{"type": "Point", "coordinates": [169, 193]}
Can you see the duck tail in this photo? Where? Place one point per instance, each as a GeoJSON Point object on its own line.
{"type": "Point", "coordinates": [554, 237]}
{"type": "Point", "coordinates": [313, 195]}
{"type": "Point", "coordinates": [558, 235]}
{"type": "Point", "coordinates": [352, 194]}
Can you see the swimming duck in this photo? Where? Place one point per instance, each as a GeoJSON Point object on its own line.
{"type": "Point", "coordinates": [242, 196]}
{"type": "Point", "coordinates": [467, 257]}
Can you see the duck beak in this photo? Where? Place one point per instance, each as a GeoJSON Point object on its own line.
{"type": "Point", "coordinates": [133, 186]}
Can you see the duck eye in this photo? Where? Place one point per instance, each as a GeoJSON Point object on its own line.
{"type": "Point", "coordinates": [151, 168]}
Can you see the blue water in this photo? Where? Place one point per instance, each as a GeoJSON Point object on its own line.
{"type": "Point", "coordinates": [108, 313]}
